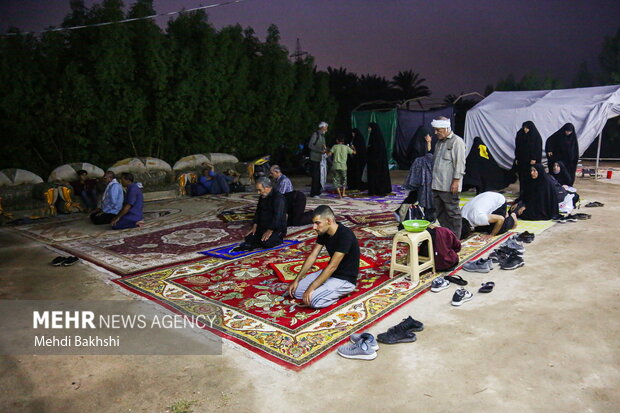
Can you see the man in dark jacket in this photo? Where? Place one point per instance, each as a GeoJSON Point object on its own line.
{"type": "Point", "coordinates": [269, 225]}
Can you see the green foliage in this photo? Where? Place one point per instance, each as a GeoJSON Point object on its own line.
{"type": "Point", "coordinates": [101, 94]}
{"type": "Point", "coordinates": [530, 81]}
{"type": "Point", "coordinates": [610, 59]}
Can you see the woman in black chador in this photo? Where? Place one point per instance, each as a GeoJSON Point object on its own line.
{"type": "Point", "coordinates": [482, 172]}
{"type": "Point", "coordinates": [559, 172]}
{"type": "Point", "coordinates": [528, 151]}
{"type": "Point", "coordinates": [379, 182]}
{"type": "Point", "coordinates": [422, 143]}
{"type": "Point", "coordinates": [356, 163]}
{"type": "Point", "coordinates": [539, 201]}
{"type": "Point", "coordinates": [562, 146]}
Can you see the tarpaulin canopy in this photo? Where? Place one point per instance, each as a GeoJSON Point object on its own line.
{"type": "Point", "coordinates": [408, 122]}
{"type": "Point", "coordinates": [398, 127]}
{"type": "Point", "coordinates": [498, 117]}
{"type": "Point", "coordinates": [386, 121]}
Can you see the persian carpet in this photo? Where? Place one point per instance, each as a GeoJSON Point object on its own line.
{"type": "Point", "coordinates": [157, 214]}
{"type": "Point", "coordinates": [125, 252]}
{"type": "Point", "coordinates": [371, 217]}
{"type": "Point", "coordinates": [246, 299]}
{"type": "Point", "coordinates": [286, 271]}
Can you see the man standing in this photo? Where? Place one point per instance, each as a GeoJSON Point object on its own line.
{"type": "Point", "coordinates": [448, 172]}
{"type": "Point", "coordinates": [317, 149]}
{"type": "Point", "coordinates": [111, 203]}
{"type": "Point", "coordinates": [130, 216]}
{"type": "Point", "coordinates": [487, 212]}
{"type": "Point", "coordinates": [324, 287]}
{"type": "Point", "coordinates": [269, 226]}
{"type": "Point", "coordinates": [280, 181]}
{"type": "Point", "coordinates": [341, 153]}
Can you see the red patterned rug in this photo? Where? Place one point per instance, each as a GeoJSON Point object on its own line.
{"type": "Point", "coordinates": [287, 271]}
{"type": "Point", "coordinates": [246, 298]}
{"type": "Point", "coordinates": [138, 250]}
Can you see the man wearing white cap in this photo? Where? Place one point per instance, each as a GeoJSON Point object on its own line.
{"type": "Point", "coordinates": [448, 172]}
{"type": "Point", "coordinates": [317, 149]}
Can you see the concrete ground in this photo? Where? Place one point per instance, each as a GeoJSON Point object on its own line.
{"type": "Point", "coordinates": [545, 340]}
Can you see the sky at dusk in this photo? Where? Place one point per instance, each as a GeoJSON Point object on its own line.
{"type": "Point", "coordinates": [457, 45]}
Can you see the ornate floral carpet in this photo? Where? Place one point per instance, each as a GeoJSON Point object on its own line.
{"type": "Point", "coordinates": [246, 298]}
{"type": "Point", "coordinates": [158, 214]}
{"type": "Point", "coordinates": [125, 252]}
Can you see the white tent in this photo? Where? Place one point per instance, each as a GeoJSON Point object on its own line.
{"type": "Point", "coordinates": [498, 117]}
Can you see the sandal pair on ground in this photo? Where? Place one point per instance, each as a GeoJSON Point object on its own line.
{"type": "Point", "coordinates": [64, 261]}
{"type": "Point", "coordinates": [364, 346]}
{"type": "Point", "coordinates": [461, 295]}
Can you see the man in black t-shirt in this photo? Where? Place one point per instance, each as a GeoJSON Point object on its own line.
{"type": "Point", "coordinates": [324, 287]}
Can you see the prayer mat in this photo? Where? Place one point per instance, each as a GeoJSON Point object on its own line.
{"type": "Point", "coordinates": [157, 214]}
{"type": "Point", "coordinates": [138, 249]}
{"type": "Point", "coordinates": [370, 218]}
{"type": "Point", "coordinates": [227, 253]}
{"type": "Point", "coordinates": [382, 231]}
{"type": "Point", "coordinates": [247, 300]}
{"type": "Point", "coordinates": [231, 216]}
{"type": "Point", "coordinates": [534, 227]}
{"type": "Point", "coordinates": [287, 271]}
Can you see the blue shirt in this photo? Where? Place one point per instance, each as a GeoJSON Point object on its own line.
{"type": "Point", "coordinates": [112, 201]}
{"type": "Point", "coordinates": [283, 184]}
{"type": "Point", "coordinates": [206, 183]}
{"type": "Point", "coordinates": [136, 200]}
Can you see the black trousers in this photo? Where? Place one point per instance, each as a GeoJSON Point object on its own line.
{"type": "Point", "coordinates": [102, 218]}
{"type": "Point", "coordinates": [315, 174]}
{"type": "Point", "coordinates": [275, 239]}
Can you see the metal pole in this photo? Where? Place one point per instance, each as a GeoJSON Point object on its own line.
{"type": "Point", "coordinates": [598, 156]}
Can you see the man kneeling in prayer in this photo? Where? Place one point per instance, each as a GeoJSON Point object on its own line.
{"type": "Point", "coordinates": [487, 212]}
{"type": "Point", "coordinates": [324, 287]}
{"type": "Point", "coordinates": [269, 226]}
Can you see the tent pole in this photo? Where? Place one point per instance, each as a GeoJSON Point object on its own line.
{"type": "Point", "coordinates": [598, 156]}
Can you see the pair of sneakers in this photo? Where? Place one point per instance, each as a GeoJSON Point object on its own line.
{"type": "Point", "coordinates": [64, 261]}
{"type": "Point", "coordinates": [364, 346]}
{"type": "Point", "coordinates": [483, 265]}
{"type": "Point", "coordinates": [514, 243]}
{"type": "Point", "coordinates": [526, 237]}
{"type": "Point", "coordinates": [459, 297]}
{"type": "Point", "coordinates": [508, 258]}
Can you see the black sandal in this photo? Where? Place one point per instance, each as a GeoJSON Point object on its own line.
{"type": "Point", "coordinates": [456, 279]}
{"type": "Point", "coordinates": [487, 287]}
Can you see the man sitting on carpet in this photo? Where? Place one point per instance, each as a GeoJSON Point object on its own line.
{"type": "Point", "coordinates": [324, 287]}
{"type": "Point", "coordinates": [111, 203]}
{"type": "Point", "coordinates": [131, 214]}
{"type": "Point", "coordinates": [269, 226]}
{"type": "Point", "coordinates": [488, 213]}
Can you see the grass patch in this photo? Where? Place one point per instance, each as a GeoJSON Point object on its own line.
{"type": "Point", "coordinates": [182, 406]}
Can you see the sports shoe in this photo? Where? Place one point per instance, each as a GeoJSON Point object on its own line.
{"type": "Point", "coordinates": [370, 339]}
{"type": "Point", "coordinates": [509, 250]}
{"type": "Point", "coordinates": [70, 261]}
{"type": "Point", "coordinates": [526, 237]}
{"type": "Point", "coordinates": [514, 244]}
{"type": "Point", "coordinates": [461, 296]}
{"type": "Point", "coordinates": [439, 284]}
{"type": "Point", "coordinates": [571, 218]}
{"type": "Point", "coordinates": [360, 350]}
{"type": "Point", "coordinates": [480, 265]}
{"type": "Point", "coordinates": [402, 332]}
{"type": "Point", "coordinates": [512, 262]}
{"type": "Point", "coordinates": [57, 262]}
